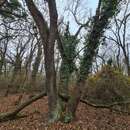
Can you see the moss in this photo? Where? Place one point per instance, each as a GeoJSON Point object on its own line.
{"type": "Point", "coordinates": [58, 113]}
{"type": "Point", "coordinates": [68, 118]}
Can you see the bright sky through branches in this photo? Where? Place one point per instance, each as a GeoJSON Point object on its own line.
{"type": "Point", "coordinates": [85, 7]}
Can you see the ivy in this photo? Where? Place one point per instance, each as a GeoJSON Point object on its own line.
{"type": "Point", "coordinates": [67, 67]}
{"type": "Point", "coordinates": [104, 13]}
{"type": "Point", "coordinates": [13, 9]}
{"type": "Point", "coordinates": [14, 4]}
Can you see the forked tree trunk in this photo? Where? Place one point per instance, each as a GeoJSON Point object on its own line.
{"type": "Point", "coordinates": [48, 36]}
{"type": "Point", "coordinates": [99, 23]}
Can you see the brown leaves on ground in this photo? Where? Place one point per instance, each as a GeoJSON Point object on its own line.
{"type": "Point", "coordinates": [88, 118]}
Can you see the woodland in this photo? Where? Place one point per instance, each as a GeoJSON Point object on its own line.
{"type": "Point", "coordinates": [64, 65]}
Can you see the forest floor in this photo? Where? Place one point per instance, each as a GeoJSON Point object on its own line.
{"type": "Point", "coordinates": [88, 118]}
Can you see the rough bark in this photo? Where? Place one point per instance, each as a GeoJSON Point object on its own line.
{"type": "Point", "coordinates": [99, 23]}
{"type": "Point", "coordinates": [48, 36]}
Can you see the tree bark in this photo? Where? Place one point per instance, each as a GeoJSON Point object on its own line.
{"type": "Point", "coordinates": [11, 115]}
{"type": "Point", "coordinates": [99, 23]}
{"type": "Point", "coordinates": [48, 36]}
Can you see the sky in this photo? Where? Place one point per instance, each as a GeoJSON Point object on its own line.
{"type": "Point", "coordinates": [86, 6]}
{"type": "Point", "coordinates": [92, 4]}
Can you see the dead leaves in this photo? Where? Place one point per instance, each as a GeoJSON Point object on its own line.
{"type": "Point", "coordinates": [88, 118]}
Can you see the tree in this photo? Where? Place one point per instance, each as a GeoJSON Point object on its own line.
{"type": "Point", "coordinates": [8, 9]}
{"type": "Point", "coordinates": [4, 49]}
{"type": "Point", "coordinates": [49, 34]}
{"type": "Point", "coordinates": [120, 33]}
{"type": "Point", "coordinates": [105, 11]}
{"type": "Point", "coordinates": [48, 37]}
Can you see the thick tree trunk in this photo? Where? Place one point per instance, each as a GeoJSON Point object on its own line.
{"type": "Point", "coordinates": [73, 102]}
{"type": "Point", "coordinates": [51, 83]}
{"type": "Point", "coordinates": [99, 23]}
{"type": "Point", "coordinates": [48, 36]}
{"type": "Point", "coordinates": [63, 88]}
{"type": "Point", "coordinates": [64, 80]}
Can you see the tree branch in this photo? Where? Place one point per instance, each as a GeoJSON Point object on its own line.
{"type": "Point", "coordinates": [11, 115]}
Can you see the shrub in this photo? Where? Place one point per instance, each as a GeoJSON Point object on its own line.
{"type": "Point", "coordinates": [107, 86]}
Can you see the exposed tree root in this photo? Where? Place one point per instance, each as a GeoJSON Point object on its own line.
{"type": "Point", "coordinates": [108, 106]}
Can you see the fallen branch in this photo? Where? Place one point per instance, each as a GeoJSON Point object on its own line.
{"type": "Point", "coordinates": [14, 114]}
{"type": "Point", "coordinates": [11, 115]}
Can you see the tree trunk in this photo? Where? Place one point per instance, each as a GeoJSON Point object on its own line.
{"type": "Point", "coordinates": [127, 65]}
{"type": "Point", "coordinates": [17, 66]}
{"type": "Point", "coordinates": [2, 61]}
{"type": "Point", "coordinates": [48, 36]}
{"type": "Point", "coordinates": [36, 63]}
{"type": "Point", "coordinates": [99, 23]}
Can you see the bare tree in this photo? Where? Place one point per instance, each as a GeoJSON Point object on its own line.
{"type": "Point", "coordinates": [48, 36]}
{"type": "Point", "coordinates": [120, 35]}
